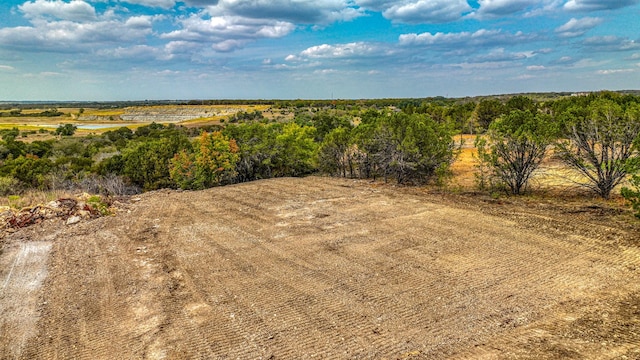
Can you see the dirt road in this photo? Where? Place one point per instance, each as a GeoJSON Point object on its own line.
{"type": "Point", "coordinates": [323, 268]}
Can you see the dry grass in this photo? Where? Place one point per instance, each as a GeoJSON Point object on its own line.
{"type": "Point", "coordinates": [32, 198]}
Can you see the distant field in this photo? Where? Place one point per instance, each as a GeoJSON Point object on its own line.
{"type": "Point", "coordinates": [98, 120]}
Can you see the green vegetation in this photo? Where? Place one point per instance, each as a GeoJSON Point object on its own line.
{"type": "Point", "coordinates": [600, 132]}
{"type": "Point", "coordinates": [407, 141]}
{"type": "Point", "coordinates": [212, 162]}
{"type": "Point", "coordinates": [66, 130]}
{"type": "Point", "coordinates": [514, 147]}
{"type": "Point", "coordinates": [18, 113]}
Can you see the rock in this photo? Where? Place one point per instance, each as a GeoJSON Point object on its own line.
{"type": "Point", "coordinates": [73, 220]}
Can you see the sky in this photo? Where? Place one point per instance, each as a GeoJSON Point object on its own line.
{"type": "Point", "coordinates": [101, 50]}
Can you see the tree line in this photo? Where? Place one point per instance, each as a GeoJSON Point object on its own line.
{"type": "Point", "coordinates": [411, 142]}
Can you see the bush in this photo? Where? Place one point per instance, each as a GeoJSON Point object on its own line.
{"type": "Point", "coordinates": [9, 185]}
{"type": "Point", "coordinates": [513, 149]}
{"type": "Point", "coordinates": [633, 195]}
{"type": "Point", "coordinates": [146, 162]}
{"type": "Point", "coordinates": [66, 130]}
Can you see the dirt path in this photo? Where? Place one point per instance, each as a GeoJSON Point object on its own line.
{"type": "Point", "coordinates": [24, 268]}
{"type": "Point", "coordinates": [328, 268]}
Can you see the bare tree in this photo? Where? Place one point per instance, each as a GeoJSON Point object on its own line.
{"type": "Point", "coordinates": [600, 144]}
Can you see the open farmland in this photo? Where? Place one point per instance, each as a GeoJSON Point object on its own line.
{"type": "Point", "coordinates": [324, 268]}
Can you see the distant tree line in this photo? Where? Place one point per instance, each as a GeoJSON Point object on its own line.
{"type": "Point", "coordinates": [19, 113]}
{"type": "Point", "coordinates": [407, 141]}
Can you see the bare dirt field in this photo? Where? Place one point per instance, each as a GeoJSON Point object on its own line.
{"type": "Point", "coordinates": [325, 268]}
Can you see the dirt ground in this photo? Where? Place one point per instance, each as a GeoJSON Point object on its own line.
{"type": "Point", "coordinates": [325, 268]}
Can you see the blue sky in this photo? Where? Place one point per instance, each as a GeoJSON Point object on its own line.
{"type": "Point", "coordinates": [288, 49]}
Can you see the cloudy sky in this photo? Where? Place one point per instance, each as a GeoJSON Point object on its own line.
{"type": "Point", "coordinates": [203, 49]}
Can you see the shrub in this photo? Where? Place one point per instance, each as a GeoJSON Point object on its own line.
{"type": "Point", "coordinates": [9, 185]}
{"type": "Point", "coordinates": [633, 195]}
{"type": "Point", "coordinates": [514, 147]}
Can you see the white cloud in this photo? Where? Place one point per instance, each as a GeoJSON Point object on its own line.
{"type": "Point", "coordinates": [614, 71]}
{"type": "Point", "coordinates": [494, 8]}
{"type": "Point", "coordinates": [165, 4]}
{"type": "Point", "coordinates": [358, 49]}
{"type": "Point", "coordinates": [137, 52]}
{"type": "Point", "coordinates": [226, 28]}
{"type": "Point", "coordinates": [229, 45]}
{"type": "Point", "coordinates": [577, 27]}
{"type": "Point", "coordinates": [294, 11]}
{"type": "Point", "coordinates": [609, 43]}
{"type": "Point", "coordinates": [546, 7]}
{"type": "Point", "coordinates": [6, 68]}
{"type": "Point", "coordinates": [565, 60]}
{"type": "Point", "coordinates": [536, 68]}
{"type": "Point", "coordinates": [500, 54]}
{"type": "Point", "coordinates": [44, 74]}
{"type": "Point", "coordinates": [76, 10]}
{"type": "Point", "coordinates": [595, 5]}
{"type": "Point", "coordinates": [427, 11]}
{"type": "Point", "coordinates": [64, 35]}
{"type": "Point", "coordinates": [480, 37]}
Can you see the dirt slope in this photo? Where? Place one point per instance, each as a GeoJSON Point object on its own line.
{"type": "Point", "coordinates": [322, 268]}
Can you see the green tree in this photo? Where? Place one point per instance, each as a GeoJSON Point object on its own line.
{"type": "Point", "coordinates": [146, 162]}
{"type": "Point", "coordinates": [335, 154]}
{"type": "Point", "coordinates": [514, 147]}
{"type": "Point", "coordinates": [296, 151]}
{"type": "Point", "coordinates": [258, 151]}
{"type": "Point", "coordinates": [66, 130]}
{"type": "Point", "coordinates": [521, 103]}
{"type": "Point", "coordinates": [487, 111]}
{"type": "Point", "coordinates": [410, 148]}
{"type": "Point", "coordinates": [325, 122]}
{"type": "Point", "coordinates": [211, 163]}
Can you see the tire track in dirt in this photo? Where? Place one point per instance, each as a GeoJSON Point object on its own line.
{"type": "Point", "coordinates": [23, 268]}
{"type": "Point", "coordinates": [328, 268]}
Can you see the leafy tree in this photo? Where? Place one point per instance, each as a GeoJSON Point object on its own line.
{"type": "Point", "coordinates": [514, 147]}
{"type": "Point", "coordinates": [9, 135]}
{"type": "Point", "coordinates": [411, 148]}
{"type": "Point", "coordinates": [325, 122]}
{"type": "Point", "coordinates": [461, 115]}
{"type": "Point", "coordinates": [66, 130]}
{"type": "Point", "coordinates": [296, 151]}
{"type": "Point", "coordinates": [146, 162]}
{"type": "Point", "coordinates": [119, 137]}
{"type": "Point", "coordinates": [521, 103]}
{"type": "Point", "coordinates": [600, 143]}
{"type": "Point", "coordinates": [335, 154]}
{"type": "Point", "coordinates": [211, 163]}
{"type": "Point", "coordinates": [258, 151]}
{"type": "Point", "coordinates": [40, 148]}
{"type": "Point", "coordinates": [487, 111]}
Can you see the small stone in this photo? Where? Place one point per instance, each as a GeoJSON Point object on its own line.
{"type": "Point", "coordinates": [73, 220]}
